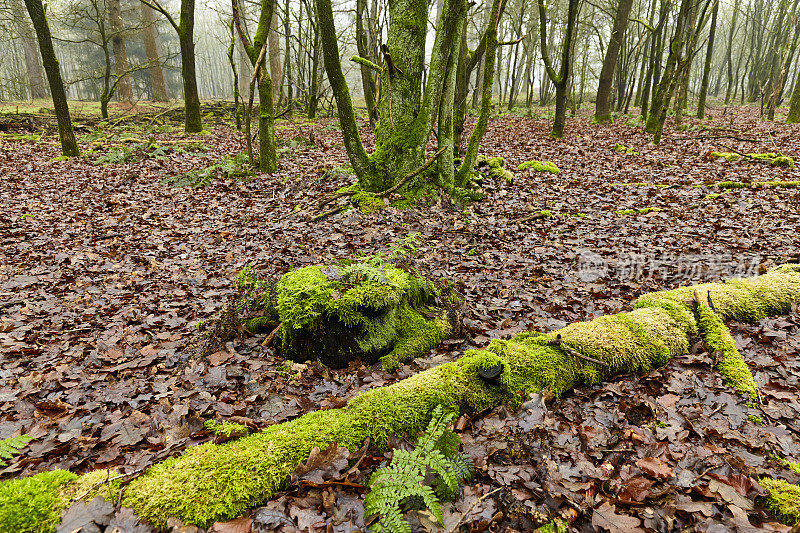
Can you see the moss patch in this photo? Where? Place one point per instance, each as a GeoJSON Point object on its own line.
{"type": "Point", "coordinates": [727, 156]}
{"type": "Point", "coordinates": [540, 166]}
{"type": "Point", "coordinates": [783, 500]}
{"type": "Point", "coordinates": [732, 365]}
{"type": "Point", "coordinates": [624, 149]}
{"type": "Point", "coordinates": [758, 184]}
{"type": "Point", "coordinates": [33, 504]}
{"type": "Point", "coordinates": [640, 211]}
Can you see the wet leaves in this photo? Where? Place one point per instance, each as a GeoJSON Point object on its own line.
{"type": "Point", "coordinates": [105, 276]}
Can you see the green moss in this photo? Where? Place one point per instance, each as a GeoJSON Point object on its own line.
{"type": "Point", "coordinates": [783, 161]}
{"type": "Point", "coordinates": [728, 156]}
{"type": "Point", "coordinates": [33, 504]}
{"type": "Point", "coordinates": [624, 149]}
{"type": "Point", "coordinates": [783, 499]}
{"type": "Point", "coordinates": [757, 420]}
{"type": "Point", "coordinates": [104, 483]}
{"type": "Point", "coordinates": [757, 184]}
{"type": "Point", "coordinates": [416, 335]}
{"type": "Point", "coordinates": [540, 166]}
{"type": "Point", "coordinates": [640, 211]}
{"type": "Point", "coordinates": [743, 300]}
{"type": "Point", "coordinates": [368, 203]}
{"type": "Point", "coordinates": [732, 365]}
{"type": "Point", "coordinates": [377, 306]}
{"type": "Point", "coordinates": [713, 196]}
{"type": "Point", "coordinates": [555, 526]}
{"type": "Point", "coordinates": [226, 429]}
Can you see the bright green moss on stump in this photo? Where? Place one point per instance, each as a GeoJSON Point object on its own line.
{"type": "Point", "coordinates": [338, 313]}
{"type": "Point", "coordinates": [783, 500]}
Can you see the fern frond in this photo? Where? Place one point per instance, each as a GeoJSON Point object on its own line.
{"type": "Point", "coordinates": [12, 446]}
{"type": "Point", "coordinates": [402, 484]}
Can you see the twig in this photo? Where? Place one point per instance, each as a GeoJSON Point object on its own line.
{"type": "Point", "coordinates": [574, 353]}
{"type": "Point", "coordinates": [529, 218]}
{"type": "Point", "coordinates": [471, 507]}
{"type": "Point", "coordinates": [266, 342]}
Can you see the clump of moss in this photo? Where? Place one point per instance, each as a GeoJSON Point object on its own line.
{"type": "Point", "coordinates": [713, 196]}
{"type": "Point", "coordinates": [226, 429]}
{"type": "Point", "coordinates": [336, 313]}
{"type": "Point", "coordinates": [495, 167]}
{"type": "Point", "coordinates": [33, 504]}
{"type": "Point", "coordinates": [554, 526]}
{"type": "Point", "coordinates": [727, 156]}
{"type": "Point", "coordinates": [640, 211]}
{"type": "Point", "coordinates": [732, 185]}
{"type": "Point", "coordinates": [783, 161]}
{"type": "Point", "coordinates": [368, 203]}
{"type": "Point", "coordinates": [783, 499]}
{"type": "Point", "coordinates": [757, 420]}
{"type": "Point", "coordinates": [540, 166]}
{"type": "Point", "coordinates": [624, 149]}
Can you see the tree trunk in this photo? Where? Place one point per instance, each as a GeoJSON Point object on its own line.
{"type": "Point", "coordinates": [602, 114]}
{"type": "Point", "coordinates": [157, 82]}
{"type": "Point", "coordinates": [794, 103]}
{"type": "Point", "coordinates": [33, 63]}
{"type": "Point", "coordinates": [562, 78]}
{"type": "Point", "coordinates": [365, 51]}
{"type": "Point", "coordinates": [69, 147]}
{"type": "Point", "coordinates": [275, 73]}
{"type": "Point", "coordinates": [701, 104]}
{"type": "Point", "coordinates": [666, 85]}
{"type": "Point", "coordinates": [124, 88]}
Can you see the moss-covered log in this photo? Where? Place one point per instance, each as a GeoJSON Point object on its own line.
{"type": "Point", "coordinates": [217, 482]}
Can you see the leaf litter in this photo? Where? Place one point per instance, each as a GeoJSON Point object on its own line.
{"type": "Point", "coordinates": [105, 275]}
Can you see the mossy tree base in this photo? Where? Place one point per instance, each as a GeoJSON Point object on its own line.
{"type": "Point", "coordinates": [218, 482]}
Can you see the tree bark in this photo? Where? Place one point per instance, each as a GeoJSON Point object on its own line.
{"type": "Point", "coordinates": [275, 60]}
{"type": "Point", "coordinates": [69, 146]}
{"type": "Point", "coordinates": [33, 63]}
{"type": "Point", "coordinates": [701, 104]}
{"type": "Point", "coordinates": [193, 122]}
{"type": "Point", "coordinates": [124, 88]}
{"type": "Point", "coordinates": [267, 153]}
{"type": "Point", "coordinates": [602, 114]}
{"type": "Point", "coordinates": [561, 79]}
{"type": "Point", "coordinates": [157, 82]}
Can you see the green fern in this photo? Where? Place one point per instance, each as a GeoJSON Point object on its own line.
{"type": "Point", "coordinates": [12, 446]}
{"type": "Point", "coordinates": [431, 472]}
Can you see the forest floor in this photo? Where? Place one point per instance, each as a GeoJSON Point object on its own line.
{"type": "Point", "coordinates": [105, 273]}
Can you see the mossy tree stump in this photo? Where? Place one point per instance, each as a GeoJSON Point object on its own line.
{"type": "Point", "coordinates": [336, 314]}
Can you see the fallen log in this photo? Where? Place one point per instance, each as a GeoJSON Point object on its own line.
{"type": "Point", "coordinates": [212, 482]}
